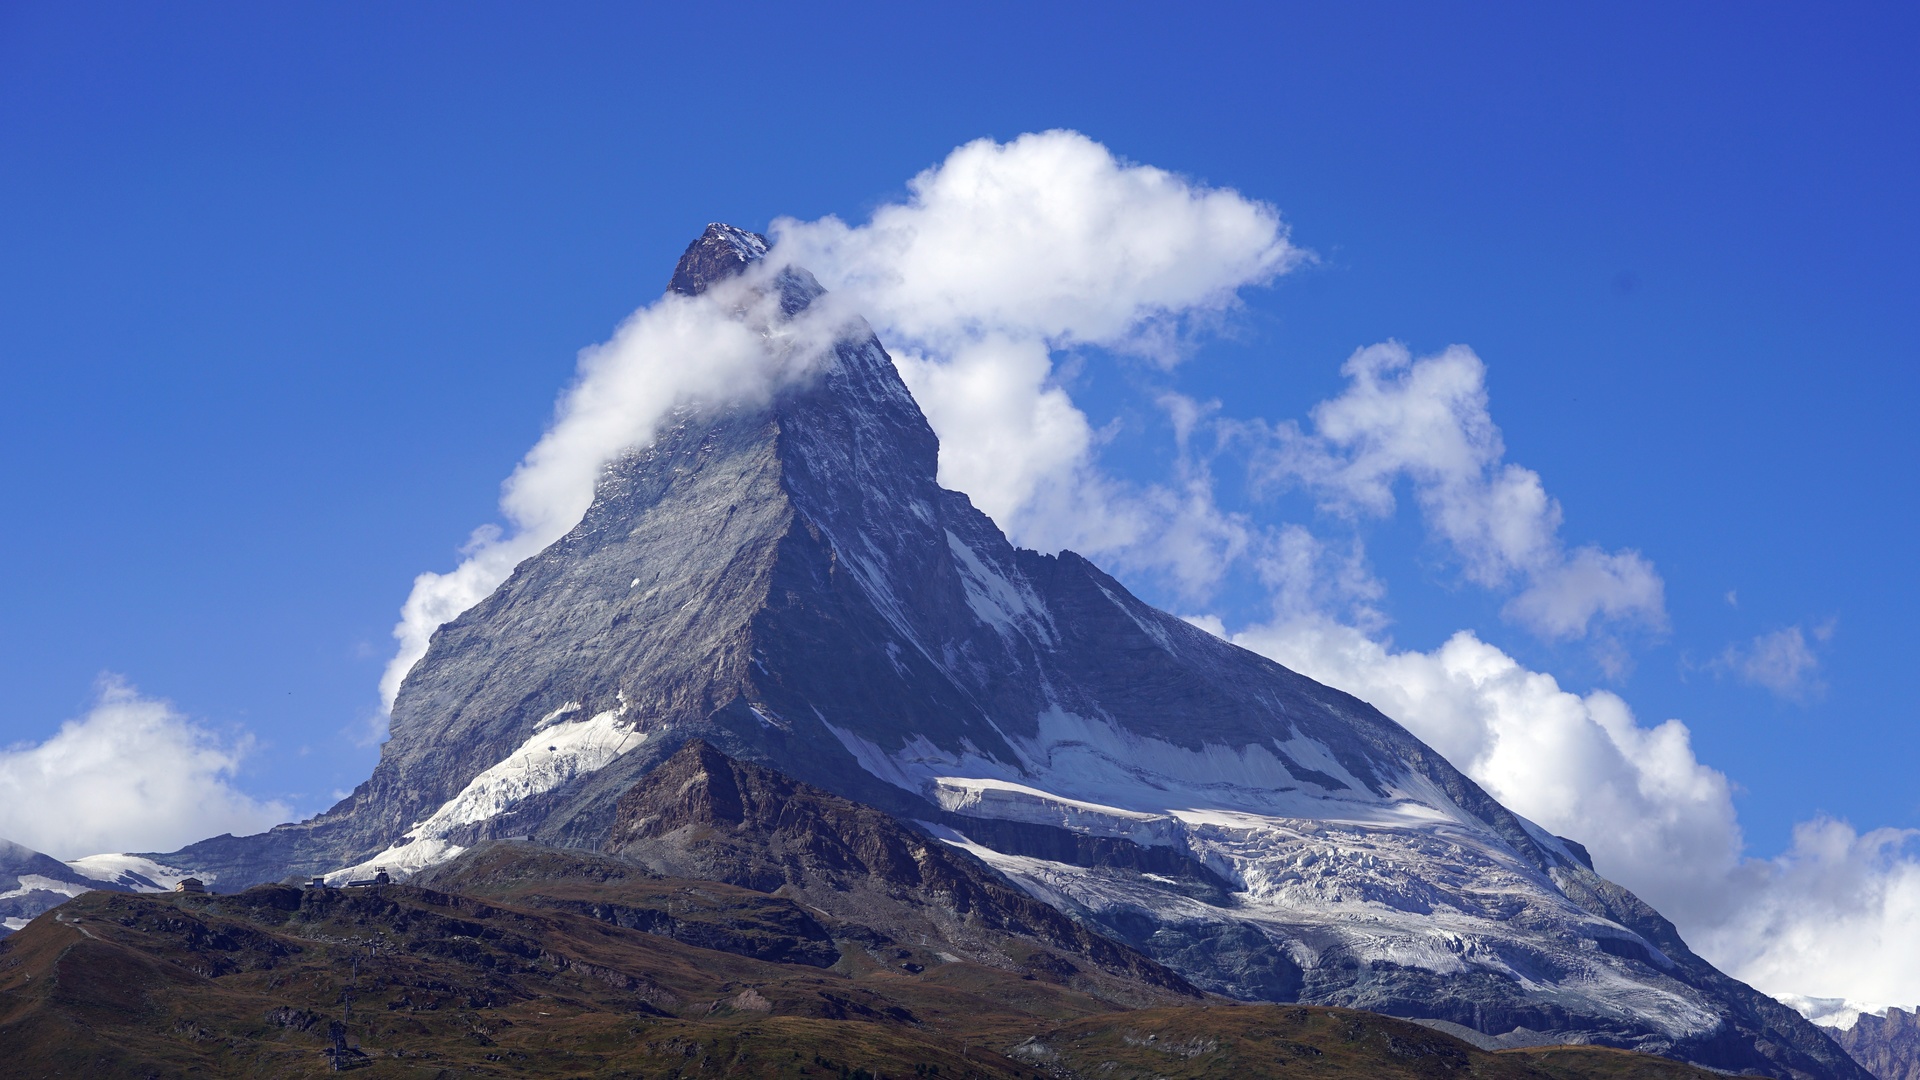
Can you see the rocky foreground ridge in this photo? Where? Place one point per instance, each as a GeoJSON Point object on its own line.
{"type": "Point", "coordinates": [788, 584]}
{"type": "Point", "coordinates": [564, 963]}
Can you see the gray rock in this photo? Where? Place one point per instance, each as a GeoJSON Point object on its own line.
{"type": "Point", "coordinates": [32, 883]}
{"type": "Point", "coordinates": [1887, 1046]}
{"type": "Point", "coordinates": [702, 814]}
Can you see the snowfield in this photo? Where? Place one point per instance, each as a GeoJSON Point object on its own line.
{"type": "Point", "coordinates": [1328, 865]}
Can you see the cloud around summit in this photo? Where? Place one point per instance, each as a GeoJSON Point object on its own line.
{"type": "Point", "coordinates": [1005, 254]}
{"type": "Point", "coordinates": [677, 352]}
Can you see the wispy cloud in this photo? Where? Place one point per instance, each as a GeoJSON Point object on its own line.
{"type": "Point", "coordinates": [677, 352]}
{"type": "Point", "coordinates": [1781, 661]}
{"type": "Point", "coordinates": [1426, 422]}
{"type": "Point", "coordinates": [133, 774]}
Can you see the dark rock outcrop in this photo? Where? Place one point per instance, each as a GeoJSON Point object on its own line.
{"type": "Point", "coordinates": [1886, 1046]}
{"type": "Point", "coordinates": [706, 914]}
{"type": "Point", "coordinates": [702, 814]}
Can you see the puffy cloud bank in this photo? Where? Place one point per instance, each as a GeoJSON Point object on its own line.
{"type": "Point", "coordinates": [1826, 918]}
{"type": "Point", "coordinates": [1837, 915]}
{"type": "Point", "coordinates": [131, 775]}
{"type": "Point", "coordinates": [1004, 254]}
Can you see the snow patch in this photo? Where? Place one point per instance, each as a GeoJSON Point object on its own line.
{"type": "Point", "coordinates": [552, 717]}
{"type": "Point", "coordinates": [993, 798]}
{"type": "Point", "coordinates": [1000, 603]}
{"type": "Point", "coordinates": [136, 872]}
{"type": "Point", "coordinates": [1393, 871]}
{"type": "Point", "coordinates": [401, 861]}
{"type": "Point", "coordinates": [1147, 627]}
{"type": "Point", "coordinates": [744, 244]}
{"type": "Point", "coordinates": [769, 719]}
{"type": "Point", "coordinates": [1837, 1013]}
{"type": "Point", "coordinates": [39, 883]}
{"type": "Point", "coordinates": [557, 753]}
{"type": "Point", "coordinates": [1073, 760]}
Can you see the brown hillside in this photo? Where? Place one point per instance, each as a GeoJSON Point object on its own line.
{"type": "Point", "coordinates": [431, 983]}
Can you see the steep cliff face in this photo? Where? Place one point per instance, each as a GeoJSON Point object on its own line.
{"type": "Point", "coordinates": [702, 814]}
{"type": "Point", "coordinates": [32, 882]}
{"type": "Point", "coordinates": [1887, 1046]}
{"type": "Point", "coordinates": [790, 584]}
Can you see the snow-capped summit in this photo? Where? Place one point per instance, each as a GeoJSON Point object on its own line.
{"type": "Point", "coordinates": [789, 582]}
{"type": "Point", "coordinates": [32, 882]}
{"type": "Point", "coordinates": [1838, 1013]}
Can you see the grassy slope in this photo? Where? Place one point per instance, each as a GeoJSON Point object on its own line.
{"type": "Point", "coordinates": [1298, 1041]}
{"type": "Point", "coordinates": [437, 984]}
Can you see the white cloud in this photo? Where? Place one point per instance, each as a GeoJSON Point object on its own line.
{"type": "Point", "coordinates": [1426, 421]}
{"type": "Point", "coordinates": [1837, 915]}
{"type": "Point", "coordinates": [1567, 593]}
{"type": "Point", "coordinates": [1579, 765]}
{"type": "Point", "coordinates": [677, 352]}
{"type": "Point", "coordinates": [1046, 238]}
{"type": "Point", "coordinates": [1781, 662]}
{"type": "Point", "coordinates": [131, 775]}
{"type": "Point", "coordinates": [1305, 577]}
{"type": "Point", "coordinates": [1821, 919]}
{"type": "Point", "coordinates": [1008, 252]}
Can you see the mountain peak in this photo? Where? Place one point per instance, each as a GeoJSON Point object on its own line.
{"type": "Point", "coordinates": [893, 696]}
{"type": "Point", "coordinates": [720, 252]}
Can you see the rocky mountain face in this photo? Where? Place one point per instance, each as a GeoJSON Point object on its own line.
{"type": "Point", "coordinates": [1887, 1046]}
{"type": "Point", "coordinates": [31, 883]}
{"type": "Point", "coordinates": [790, 584]}
{"type": "Point", "coordinates": [704, 815]}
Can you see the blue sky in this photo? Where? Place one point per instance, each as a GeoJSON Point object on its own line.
{"type": "Point", "coordinates": [285, 296]}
